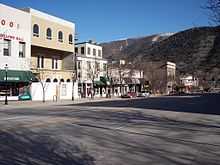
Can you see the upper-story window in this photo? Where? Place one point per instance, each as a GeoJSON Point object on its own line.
{"type": "Point", "coordinates": [22, 49]}
{"type": "Point", "coordinates": [54, 63]}
{"type": "Point", "coordinates": [94, 52]}
{"type": "Point", "coordinates": [6, 47]}
{"type": "Point", "coordinates": [70, 39]}
{"type": "Point", "coordinates": [60, 36]}
{"type": "Point", "coordinates": [88, 51]}
{"type": "Point", "coordinates": [40, 61]}
{"type": "Point", "coordinates": [82, 50]}
{"type": "Point", "coordinates": [79, 65]}
{"type": "Point", "coordinates": [36, 30]}
{"type": "Point", "coordinates": [49, 33]}
{"type": "Point", "coordinates": [99, 53]}
{"type": "Point", "coordinates": [76, 50]}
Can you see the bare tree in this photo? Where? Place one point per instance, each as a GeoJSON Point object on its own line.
{"type": "Point", "coordinates": [214, 7]}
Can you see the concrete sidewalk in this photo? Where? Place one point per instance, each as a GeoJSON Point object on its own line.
{"type": "Point", "coordinates": [14, 104]}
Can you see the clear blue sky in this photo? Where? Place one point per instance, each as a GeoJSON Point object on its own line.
{"type": "Point", "coordinates": [106, 20]}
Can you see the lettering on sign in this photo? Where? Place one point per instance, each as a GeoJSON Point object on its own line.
{"type": "Point", "coordinates": [10, 37]}
{"type": "Point", "coordinates": [4, 22]}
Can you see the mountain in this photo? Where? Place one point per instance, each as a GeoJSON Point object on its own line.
{"type": "Point", "coordinates": [195, 51]}
{"type": "Point", "coordinates": [121, 48]}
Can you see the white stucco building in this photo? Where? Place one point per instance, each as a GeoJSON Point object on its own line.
{"type": "Point", "coordinates": [15, 40]}
{"type": "Point", "coordinates": [91, 68]}
{"type": "Point", "coordinates": [15, 51]}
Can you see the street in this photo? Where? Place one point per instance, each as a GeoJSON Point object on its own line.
{"type": "Point", "coordinates": [156, 130]}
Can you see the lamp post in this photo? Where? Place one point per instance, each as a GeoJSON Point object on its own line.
{"type": "Point", "coordinates": [74, 75]}
{"type": "Point", "coordinates": [6, 82]}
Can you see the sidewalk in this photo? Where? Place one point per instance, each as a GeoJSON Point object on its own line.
{"type": "Point", "coordinates": [14, 104]}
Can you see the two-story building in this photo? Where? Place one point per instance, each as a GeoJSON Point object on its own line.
{"type": "Point", "coordinates": [91, 69]}
{"type": "Point", "coordinates": [52, 47]}
{"type": "Point", "coordinates": [124, 78]}
{"type": "Point", "coordinates": [15, 52]}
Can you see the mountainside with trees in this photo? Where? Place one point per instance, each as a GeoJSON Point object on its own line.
{"type": "Point", "coordinates": [195, 51]}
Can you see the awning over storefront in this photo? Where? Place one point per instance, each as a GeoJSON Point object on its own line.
{"type": "Point", "coordinates": [17, 76]}
{"type": "Point", "coordinates": [105, 80]}
{"type": "Point", "coordinates": [99, 83]}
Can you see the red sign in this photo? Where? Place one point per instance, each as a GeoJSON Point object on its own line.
{"type": "Point", "coordinates": [10, 37]}
{"type": "Point", "coordinates": [3, 22]}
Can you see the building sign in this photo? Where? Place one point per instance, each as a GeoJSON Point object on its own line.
{"type": "Point", "coordinates": [10, 24]}
{"type": "Point", "coordinates": [10, 37]}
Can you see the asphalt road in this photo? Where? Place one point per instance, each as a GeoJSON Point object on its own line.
{"type": "Point", "coordinates": [160, 130]}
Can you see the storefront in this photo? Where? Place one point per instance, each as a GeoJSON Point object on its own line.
{"type": "Point", "coordinates": [16, 84]}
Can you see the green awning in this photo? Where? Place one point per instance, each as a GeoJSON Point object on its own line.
{"type": "Point", "coordinates": [16, 76]}
{"type": "Point", "coordinates": [105, 80]}
{"type": "Point", "coordinates": [99, 83]}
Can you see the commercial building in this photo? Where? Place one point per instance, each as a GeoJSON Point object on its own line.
{"type": "Point", "coordinates": [15, 52]}
{"type": "Point", "coordinates": [161, 76]}
{"type": "Point", "coordinates": [52, 47]}
{"type": "Point", "coordinates": [124, 78]}
{"type": "Point", "coordinates": [91, 69]}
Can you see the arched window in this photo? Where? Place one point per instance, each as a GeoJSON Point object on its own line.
{"type": "Point", "coordinates": [49, 34]}
{"type": "Point", "coordinates": [55, 80]}
{"type": "Point", "coordinates": [70, 39]}
{"type": "Point", "coordinates": [48, 80]}
{"type": "Point", "coordinates": [36, 30]}
{"type": "Point", "coordinates": [68, 80]}
{"type": "Point", "coordinates": [60, 36]}
{"type": "Point", "coordinates": [62, 80]}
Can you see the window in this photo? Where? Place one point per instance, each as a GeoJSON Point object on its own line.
{"type": "Point", "coordinates": [89, 51]}
{"type": "Point", "coordinates": [40, 61]}
{"type": "Point", "coordinates": [60, 36]}
{"type": "Point", "coordinates": [48, 80]}
{"type": "Point", "coordinates": [21, 49]}
{"type": "Point", "coordinates": [105, 67]}
{"type": "Point", "coordinates": [89, 65]}
{"type": "Point", "coordinates": [94, 52]}
{"type": "Point", "coordinates": [62, 80]}
{"type": "Point", "coordinates": [99, 53]}
{"type": "Point", "coordinates": [82, 50]}
{"type": "Point", "coordinates": [79, 75]}
{"type": "Point", "coordinates": [70, 39]}
{"type": "Point", "coordinates": [49, 34]}
{"type": "Point", "coordinates": [36, 30]}
{"type": "Point", "coordinates": [6, 47]}
{"type": "Point", "coordinates": [97, 66]}
{"type": "Point", "coordinates": [79, 64]}
{"type": "Point", "coordinates": [54, 63]}
{"type": "Point", "coordinates": [68, 80]}
{"type": "Point", "coordinates": [55, 80]}
{"type": "Point", "coordinates": [76, 50]}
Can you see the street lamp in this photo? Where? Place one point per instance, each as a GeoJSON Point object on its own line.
{"type": "Point", "coordinates": [74, 77]}
{"type": "Point", "coordinates": [6, 82]}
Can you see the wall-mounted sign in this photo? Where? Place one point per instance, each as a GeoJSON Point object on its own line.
{"type": "Point", "coordinates": [10, 37]}
{"type": "Point", "coordinates": [4, 22]}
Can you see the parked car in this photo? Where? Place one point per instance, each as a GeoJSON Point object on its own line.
{"type": "Point", "coordinates": [129, 95]}
{"type": "Point", "coordinates": [143, 94]}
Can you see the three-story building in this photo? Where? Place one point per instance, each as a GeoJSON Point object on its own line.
{"type": "Point", "coordinates": [91, 69]}
{"type": "Point", "coordinates": [52, 47]}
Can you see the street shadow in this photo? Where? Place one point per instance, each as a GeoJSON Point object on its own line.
{"type": "Point", "coordinates": [22, 148]}
{"type": "Point", "coordinates": [205, 103]}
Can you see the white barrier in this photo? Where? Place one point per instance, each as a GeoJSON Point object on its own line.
{"type": "Point", "coordinates": [54, 91]}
